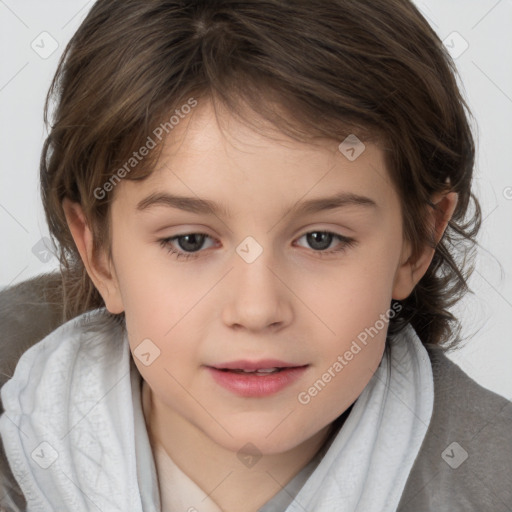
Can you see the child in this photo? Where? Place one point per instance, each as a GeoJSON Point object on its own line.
{"type": "Point", "coordinates": [261, 368]}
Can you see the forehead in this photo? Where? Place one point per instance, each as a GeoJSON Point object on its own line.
{"type": "Point", "coordinates": [213, 157]}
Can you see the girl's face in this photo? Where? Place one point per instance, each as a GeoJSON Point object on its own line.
{"type": "Point", "coordinates": [262, 261]}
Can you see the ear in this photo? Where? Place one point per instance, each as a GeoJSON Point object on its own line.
{"type": "Point", "coordinates": [100, 269]}
{"type": "Point", "coordinates": [410, 272]}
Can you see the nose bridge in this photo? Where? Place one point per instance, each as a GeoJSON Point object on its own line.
{"type": "Point", "coordinates": [258, 298]}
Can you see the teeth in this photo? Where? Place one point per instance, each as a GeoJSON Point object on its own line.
{"type": "Point", "coordinates": [263, 370]}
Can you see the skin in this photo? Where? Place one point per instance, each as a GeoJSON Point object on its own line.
{"type": "Point", "coordinates": [290, 303]}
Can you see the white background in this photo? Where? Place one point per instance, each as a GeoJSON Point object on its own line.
{"type": "Point", "coordinates": [486, 72]}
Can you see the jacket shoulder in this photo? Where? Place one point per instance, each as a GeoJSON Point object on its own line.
{"type": "Point", "coordinates": [11, 496]}
{"type": "Point", "coordinates": [465, 461]}
{"type": "Point", "coordinates": [29, 311]}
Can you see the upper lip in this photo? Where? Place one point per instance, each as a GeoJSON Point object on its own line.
{"type": "Point", "coordinates": [255, 365]}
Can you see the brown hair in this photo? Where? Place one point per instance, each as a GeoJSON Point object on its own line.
{"type": "Point", "coordinates": [374, 68]}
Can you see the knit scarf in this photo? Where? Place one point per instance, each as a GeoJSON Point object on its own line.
{"type": "Point", "coordinates": [75, 438]}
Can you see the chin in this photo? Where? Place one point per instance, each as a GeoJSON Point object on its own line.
{"type": "Point", "coordinates": [256, 442]}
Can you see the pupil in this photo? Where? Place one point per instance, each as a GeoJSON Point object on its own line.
{"type": "Point", "coordinates": [313, 239]}
{"type": "Point", "coordinates": [317, 239]}
{"type": "Point", "coordinates": [191, 246]}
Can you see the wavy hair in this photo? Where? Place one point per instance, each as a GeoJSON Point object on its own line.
{"type": "Point", "coordinates": [374, 68]}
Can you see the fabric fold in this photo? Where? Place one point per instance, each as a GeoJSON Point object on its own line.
{"type": "Point", "coordinates": [369, 461]}
{"type": "Point", "coordinates": [68, 425]}
{"type": "Point", "coordinates": [75, 436]}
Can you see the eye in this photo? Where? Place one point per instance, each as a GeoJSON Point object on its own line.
{"type": "Point", "coordinates": [192, 242]}
{"type": "Point", "coordinates": [320, 240]}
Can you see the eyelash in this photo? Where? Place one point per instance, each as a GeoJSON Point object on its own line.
{"type": "Point", "coordinates": [166, 244]}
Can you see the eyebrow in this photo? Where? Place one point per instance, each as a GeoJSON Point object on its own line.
{"type": "Point", "coordinates": [205, 206]}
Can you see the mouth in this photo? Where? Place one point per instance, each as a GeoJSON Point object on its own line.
{"type": "Point", "coordinates": [256, 382]}
{"type": "Point", "coordinates": [261, 371]}
{"type": "Point", "coordinates": [264, 366]}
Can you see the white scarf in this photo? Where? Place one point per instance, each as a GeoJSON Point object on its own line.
{"type": "Point", "coordinates": [75, 438]}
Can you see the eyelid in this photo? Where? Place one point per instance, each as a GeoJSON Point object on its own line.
{"type": "Point", "coordinates": [345, 241]}
{"type": "Point", "coordinates": [298, 234]}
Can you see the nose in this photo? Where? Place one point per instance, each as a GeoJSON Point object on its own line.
{"type": "Point", "coordinates": [257, 296]}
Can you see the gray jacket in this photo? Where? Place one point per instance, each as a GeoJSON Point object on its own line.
{"type": "Point", "coordinates": [464, 464]}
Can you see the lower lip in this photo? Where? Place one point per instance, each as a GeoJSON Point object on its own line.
{"type": "Point", "coordinates": [252, 385]}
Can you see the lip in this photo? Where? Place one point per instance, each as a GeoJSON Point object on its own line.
{"type": "Point", "coordinates": [244, 364]}
{"type": "Point", "coordinates": [253, 385]}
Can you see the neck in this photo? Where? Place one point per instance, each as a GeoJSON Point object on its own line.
{"type": "Point", "coordinates": [246, 489]}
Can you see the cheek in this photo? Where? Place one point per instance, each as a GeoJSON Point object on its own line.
{"type": "Point", "coordinates": [352, 312]}
{"type": "Point", "coordinates": [349, 299]}
{"type": "Point", "coordinates": [148, 288]}
{"type": "Point", "coordinates": [334, 388]}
